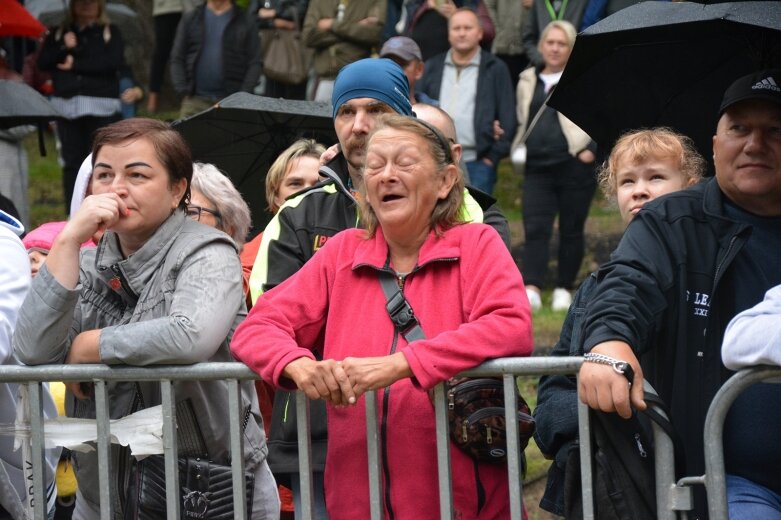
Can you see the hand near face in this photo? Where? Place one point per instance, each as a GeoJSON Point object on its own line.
{"type": "Point", "coordinates": [70, 40]}
{"type": "Point", "coordinates": [330, 153]}
{"type": "Point", "coordinates": [602, 388]}
{"type": "Point", "coordinates": [325, 380]}
{"type": "Point", "coordinates": [67, 64]}
{"type": "Point", "coordinates": [97, 213]}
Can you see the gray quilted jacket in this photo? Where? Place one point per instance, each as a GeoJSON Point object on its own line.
{"type": "Point", "coordinates": [177, 300]}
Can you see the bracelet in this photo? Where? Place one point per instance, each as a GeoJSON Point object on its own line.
{"type": "Point", "coordinates": [622, 367]}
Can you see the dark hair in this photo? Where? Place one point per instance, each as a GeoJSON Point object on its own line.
{"type": "Point", "coordinates": [172, 151]}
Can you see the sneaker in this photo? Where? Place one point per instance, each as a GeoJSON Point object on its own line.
{"type": "Point", "coordinates": [534, 299]}
{"type": "Point", "coordinates": [562, 299]}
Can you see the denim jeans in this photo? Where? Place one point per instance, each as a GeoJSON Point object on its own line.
{"type": "Point", "coordinates": [747, 499]}
{"type": "Point", "coordinates": [482, 176]}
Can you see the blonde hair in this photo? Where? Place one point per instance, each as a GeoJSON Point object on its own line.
{"type": "Point", "coordinates": [276, 174]}
{"type": "Point", "coordinates": [70, 18]}
{"type": "Point", "coordinates": [447, 211]}
{"type": "Point", "coordinates": [648, 144]}
{"type": "Point", "coordinates": [564, 26]}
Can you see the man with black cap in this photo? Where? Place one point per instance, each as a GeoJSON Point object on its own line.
{"type": "Point", "coordinates": [686, 265]}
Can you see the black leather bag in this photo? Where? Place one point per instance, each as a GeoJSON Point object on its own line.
{"type": "Point", "coordinates": [205, 490]}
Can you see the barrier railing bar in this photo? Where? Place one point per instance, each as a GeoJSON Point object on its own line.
{"type": "Point", "coordinates": [586, 471]}
{"type": "Point", "coordinates": [170, 449]}
{"type": "Point", "coordinates": [715, 478]}
{"type": "Point", "coordinates": [236, 418]}
{"type": "Point", "coordinates": [304, 455]}
{"type": "Point", "coordinates": [104, 450]}
{"type": "Point", "coordinates": [373, 456]}
{"type": "Point", "coordinates": [513, 445]}
{"type": "Point", "coordinates": [443, 453]}
{"type": "Point", "coordinates": [36, 452]}
{"type": "Point", "coordinates": [90, 372]}
{"type": "Point", "coordinates": [665, 472]}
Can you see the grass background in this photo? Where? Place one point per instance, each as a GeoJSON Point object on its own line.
{"type": "Point", "coordinates": [603, 228]}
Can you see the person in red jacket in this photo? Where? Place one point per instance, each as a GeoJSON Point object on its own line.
{"type": "Point", "coordinates": [470, 310]}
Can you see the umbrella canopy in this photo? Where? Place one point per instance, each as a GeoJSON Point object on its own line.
{"type": "Point", "coordinates": [665, 63]}
{"type": "Point", "coordinates": [243, 134]}
{"type": "Point", "coordinates": [21, 104]}
{"type": "Point", "coordinates": [15, 20]}
{"type": "Point", "coordinates": [52, 13]}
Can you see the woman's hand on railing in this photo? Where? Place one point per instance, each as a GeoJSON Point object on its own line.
{"type": "Point", "coordinates": [84, 349]}
{"type": "Point", "coordinates": [325, 380]}
{"type": "Point", "coordinates": [371, 373]}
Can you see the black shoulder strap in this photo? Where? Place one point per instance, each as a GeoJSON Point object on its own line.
{"type": "Point", "coordinates": [399, 309]}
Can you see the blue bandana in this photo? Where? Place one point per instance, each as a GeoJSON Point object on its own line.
{"type": "Point", "coordinates": [375, 78]}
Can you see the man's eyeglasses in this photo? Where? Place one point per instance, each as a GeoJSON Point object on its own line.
{"type": "Point", "coordinates": [194, 212]}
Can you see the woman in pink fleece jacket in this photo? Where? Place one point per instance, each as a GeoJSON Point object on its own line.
{"type": "Point", "coordinates": [466, 292]}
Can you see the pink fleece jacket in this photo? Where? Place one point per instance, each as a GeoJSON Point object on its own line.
{"type": "Point", "coordinates": [470, 299]}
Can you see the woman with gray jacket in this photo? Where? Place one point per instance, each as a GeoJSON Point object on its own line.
{"type": "Point", "coordinates": [159, 289]}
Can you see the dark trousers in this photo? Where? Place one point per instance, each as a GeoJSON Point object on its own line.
{"type": "Point", "coordinates": [75, 144]}
{"type": "Point", "coordinates": [165, 31]}
{"type": "Point", "coordinates": [565, 189]}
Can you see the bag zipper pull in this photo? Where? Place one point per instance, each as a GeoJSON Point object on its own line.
{"type": "Point", "coordinates": [488, 438]}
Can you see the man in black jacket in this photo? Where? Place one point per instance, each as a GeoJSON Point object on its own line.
{"type": "Point", "coordinates": [475, 88]}
{"type": "Point", "coordinates": [686, 265]}
{"type": "Point", "coordinates": [216, 53]}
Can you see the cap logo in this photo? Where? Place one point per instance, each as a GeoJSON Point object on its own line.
{"type": "Point", "coordinates": [767, 84]}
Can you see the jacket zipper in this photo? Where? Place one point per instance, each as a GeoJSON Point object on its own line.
{"type": "Point", "coordinates": [401, 281]}
{"type": "Point", "coordinates": [384, 437]}
{"type": "Point", "coordinates": [118, 273]}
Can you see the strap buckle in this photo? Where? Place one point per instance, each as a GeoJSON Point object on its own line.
{"type": "Point", "coordinates": [400, 312]}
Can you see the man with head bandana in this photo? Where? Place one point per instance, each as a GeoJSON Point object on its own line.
{"type": "Point", "coordinates": [363, 91]}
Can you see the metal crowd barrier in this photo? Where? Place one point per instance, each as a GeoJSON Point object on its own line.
{"type": "Point", "coordinates": [672, 496]}
{"type": "Point", "coordinates": [715, 478]}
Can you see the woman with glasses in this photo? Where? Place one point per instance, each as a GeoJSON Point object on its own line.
{"type": "Point", "coordinates": [159, 289]}
{"type": "Point", "coordinates": [214, 201]}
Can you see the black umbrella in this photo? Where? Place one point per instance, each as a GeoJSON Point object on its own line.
{"type": "Point", "coordinates": [665, 63]}
{"type": "Point", "coordinates": [21, 104]}
{"type": "Point", "coordinates": [244, 133]}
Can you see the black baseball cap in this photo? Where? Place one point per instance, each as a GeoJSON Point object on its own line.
{"type": "Point", "coordinates": [764, 85]}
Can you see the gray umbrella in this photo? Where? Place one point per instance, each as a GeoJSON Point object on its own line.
{"type": "Point", "coordinates": [243, 134]}
{"type": "Point", "coordinates": [21, 104]}
{"type": "Point", "coordinates": [665, 63]}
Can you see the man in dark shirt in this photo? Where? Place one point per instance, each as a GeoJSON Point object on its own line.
{"type": "Point", "coordinates": [687, 264]}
